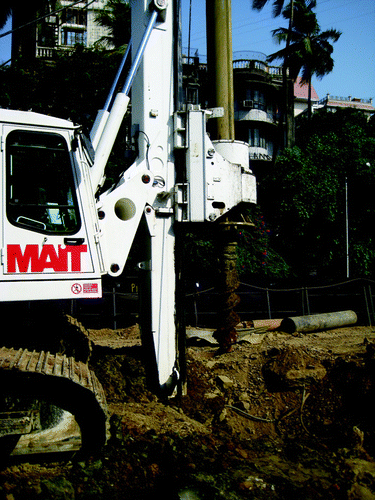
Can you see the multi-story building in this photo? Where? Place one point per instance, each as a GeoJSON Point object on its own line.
{"type": "Point", "coordinates": [62, 29]}
{"type": "Point", "coordinates": [332, 103]}
{"type": "Point", "coordinates": [257, 97]}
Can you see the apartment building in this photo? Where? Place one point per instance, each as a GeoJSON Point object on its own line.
{"type": "Point", "coordinates": [61, 26]}
{"type": "Point", "coordinates": [332, 103]}
{"type": "Point", "coordinates": [257, 97]}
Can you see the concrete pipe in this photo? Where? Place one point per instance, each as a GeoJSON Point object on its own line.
{"type": "Point", "coordinates": [316, 322]}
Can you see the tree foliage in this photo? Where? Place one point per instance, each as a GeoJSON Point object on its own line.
{"type": "Point", "coordinates": [277, 6]}
{"type": "Point", "coordinates": [116, 18]}
{"type": "Point", "coordinates": [73, 86]}
{"type": "Point", "coordinates": [307, 189]}
{"type": "Point", "coordinates": [308, 50]}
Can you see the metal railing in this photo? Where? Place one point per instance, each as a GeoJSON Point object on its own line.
{"type": "Point", "coordinates": [244, 59]}
{"type": "Point", "coordinates": [329, 98]}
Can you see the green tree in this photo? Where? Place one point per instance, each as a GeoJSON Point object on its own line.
{"type": "Point", "coordinates": [287, 104]}
{"type": "Point", "coordinates": [116, 18]}
{"type": "Point", "coordinates": [309, 50]}
{"type": "Point", "coordinates": [23, 14]}
{"type": "Point", "coordinates": [277, 6]}
{"type": "Point", "coordinates": [42, 87]}
{"type": "Point", "coordinates": [307, 188]}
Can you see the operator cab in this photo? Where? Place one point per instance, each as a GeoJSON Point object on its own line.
{"type": "Point", "coordinates": [50, 235]}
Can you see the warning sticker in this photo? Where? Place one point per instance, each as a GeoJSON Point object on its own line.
{"type": "Point", "coordinates": [90, 288]}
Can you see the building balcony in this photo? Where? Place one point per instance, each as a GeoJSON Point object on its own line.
{"type": "Point", "coordinates": [256, 115]}
{"type": "Point", "coordinates": [45, 52]}
{"type": "Point", "coordinates": [256, 63]}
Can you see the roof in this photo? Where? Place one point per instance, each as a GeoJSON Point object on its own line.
{"type": "Point", "coordinates": [354, 103]}
{"type": "Point", "coordinates": [302, 91]}
{"type": "Point", "coordinates": [31, 118]}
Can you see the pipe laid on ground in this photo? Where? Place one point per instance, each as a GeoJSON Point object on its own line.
{"type": "Point", "coordinates": [316, 322]}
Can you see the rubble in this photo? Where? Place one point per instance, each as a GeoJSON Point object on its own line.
{"type": "Point", "coordinates": [287, 417]}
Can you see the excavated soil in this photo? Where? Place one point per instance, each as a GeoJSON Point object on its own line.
{"type": "Point", "coordinates": [278, 417]}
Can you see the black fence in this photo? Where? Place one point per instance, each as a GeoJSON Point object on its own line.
{"type": "Point", "coordinates": [119, 306]}
{"type": "Point", "coordinates": [266, 303]}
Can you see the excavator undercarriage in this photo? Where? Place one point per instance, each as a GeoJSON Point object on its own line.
{"type": "Point", "coordinates": [59, 381]}
{"type": "Point", "coordinates": [46, 380]}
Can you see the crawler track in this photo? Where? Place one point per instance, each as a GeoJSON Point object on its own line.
{"type": "Point", "coordinates": [61, 381]}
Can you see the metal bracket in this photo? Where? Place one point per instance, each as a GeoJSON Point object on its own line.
{"type": "Point", "coordinates": [144, 265]}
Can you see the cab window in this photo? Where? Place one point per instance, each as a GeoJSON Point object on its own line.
{"type": "Point", "coordinates": [40, 184]}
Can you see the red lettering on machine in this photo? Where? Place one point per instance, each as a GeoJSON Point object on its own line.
{"type": "Point", "coordinates": [48, 259]}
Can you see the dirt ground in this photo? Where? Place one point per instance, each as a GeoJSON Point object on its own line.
{"type": "Point", "coordinates": [279, 417]}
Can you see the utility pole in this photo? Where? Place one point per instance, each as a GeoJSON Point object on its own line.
{"type": "Point", "coordinates": [346, 227]}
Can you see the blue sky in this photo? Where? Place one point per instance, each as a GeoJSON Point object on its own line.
{"type": "Point", "coordinates": [354, 53]}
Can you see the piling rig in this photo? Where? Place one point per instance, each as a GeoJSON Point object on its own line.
{"type": "Point", "coordinates": [62, 232]}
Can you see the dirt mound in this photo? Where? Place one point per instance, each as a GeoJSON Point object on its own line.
{"type": "Point", "coordinates": [279, 417]}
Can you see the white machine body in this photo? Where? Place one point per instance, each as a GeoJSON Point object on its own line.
{"type": "Point", "coordinates": [49, 235]}
{"type": "Point", "coordinates": [59, 236]}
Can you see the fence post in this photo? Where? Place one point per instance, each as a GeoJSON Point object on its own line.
{"type": "Point", "coordinates": [307, 301]}
{"type": "Point", "coordinates": [371, 303]}
{"type": "Point", "coordinates": [303, 301]}
{"type": "Point", "coordinates": [114, 307]}
{"type": "Point", "coordinates": [268, 304]}
{"type": "Point", "coordinates": [367, 307]}
{"type": "Point", "coordinates": [195, 309]}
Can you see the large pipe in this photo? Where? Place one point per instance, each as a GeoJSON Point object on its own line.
{"type": "Point", "coordinates": [315, 322]}
{"type": "Point", "coordinates": [220, 62]}
{"type": "Point", "coordinates": [220, 70]}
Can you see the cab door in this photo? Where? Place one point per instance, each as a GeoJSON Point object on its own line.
{"type": "Point", "coordinates": [48, 249]}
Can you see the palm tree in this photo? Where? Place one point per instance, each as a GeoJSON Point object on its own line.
{"type": "Point", "coordinates": [5, 12]}
{"type": "Point", "coordinates": [288, 96]}
{"type": "Point", "coordinates": [287, 112]}
{"type": "Point", "coordinates": [310, 49]}
{"type": "Point", "coordinates": [277, 6]}
{"type": "Point", "coordinates": [116, 18]}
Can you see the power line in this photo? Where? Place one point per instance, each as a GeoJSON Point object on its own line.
{"type": "Point", "coordinates": [199, 35]}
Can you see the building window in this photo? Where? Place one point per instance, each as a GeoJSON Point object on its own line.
{"type": "Point", "coordinates": [257, 99]}
{"type": "Point", "coordinates": [73, 37]}
{"type": "Point", "coordinates": [47, 35]}
{"type": "Point", "coordinates": [74, 16]}
{"type": "Point", "coordinates": [257, 138]}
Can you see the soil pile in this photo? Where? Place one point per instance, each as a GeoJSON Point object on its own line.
{"type": "Point", "coordinates": [278, 417]}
